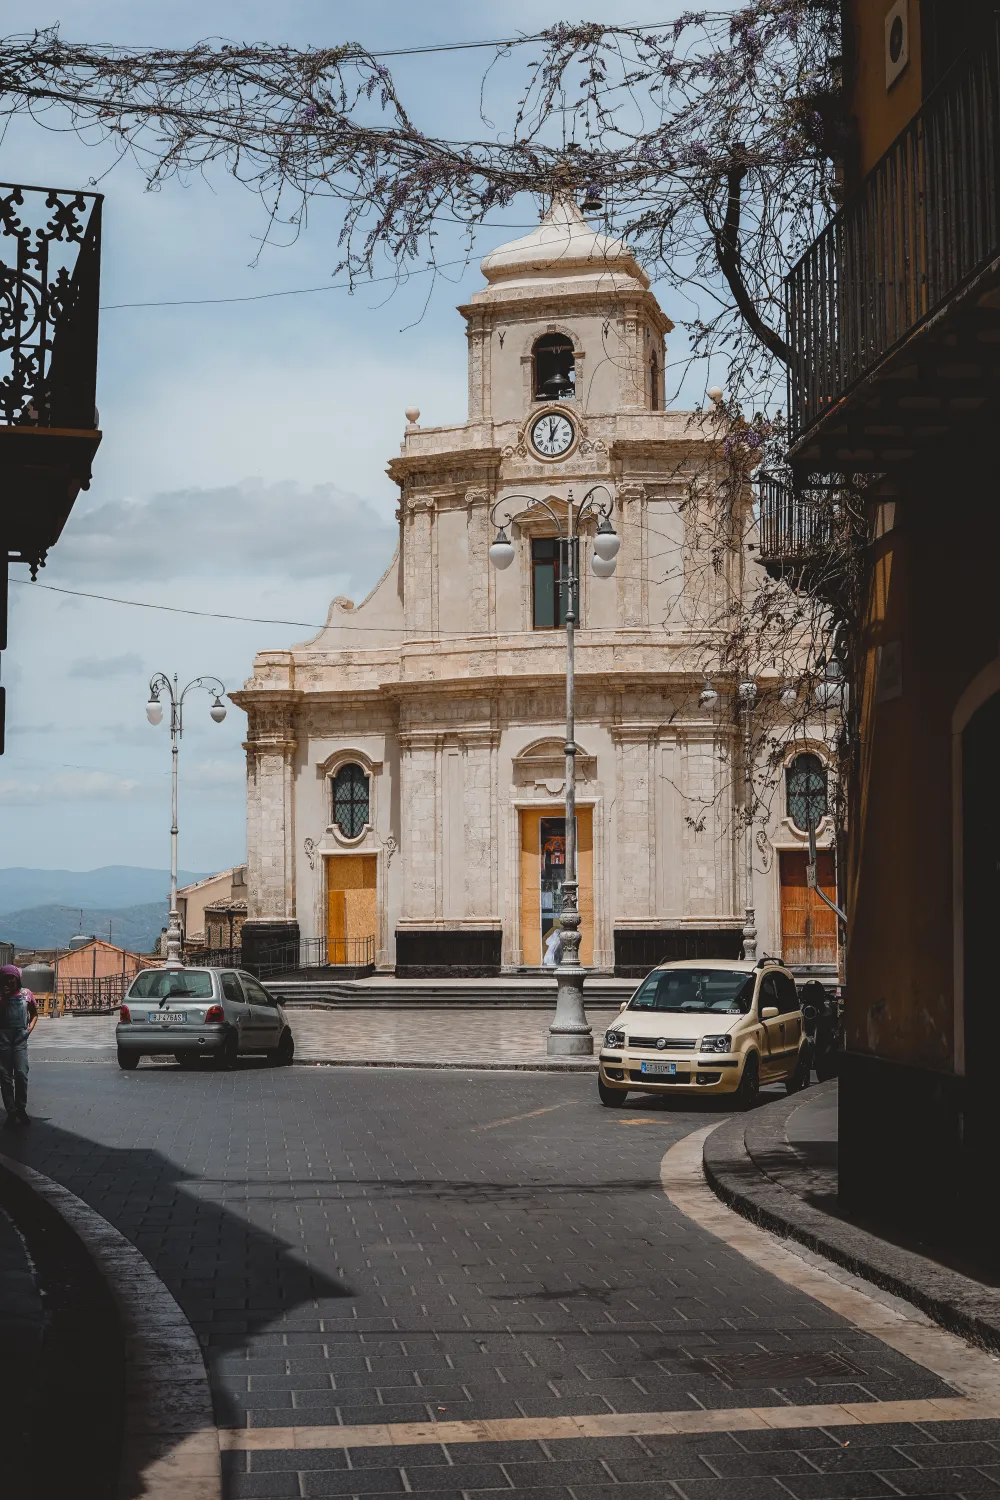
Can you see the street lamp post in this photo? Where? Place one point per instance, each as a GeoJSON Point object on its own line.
{"type": "Point", "coordinates": [569, 1034]}
{"type": "Point", "coordinates": [747, 698]}
{"type": "Point", "coordinates": [161, 683]}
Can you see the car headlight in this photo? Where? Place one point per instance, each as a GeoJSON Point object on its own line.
{"type": "Point", "coordinates": [715, 1044]}
{"type": "Point", "coordinates": [614, 1039]}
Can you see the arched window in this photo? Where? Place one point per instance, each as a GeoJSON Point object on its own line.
{"type": "Point", "coordinates": [351, 804]}
{"type": "Point", "coordinates": [805, 785]}
{"type": "Point", "coordinates": [555, 375]}
{"type": "Point", "coordinates": [654, 384]}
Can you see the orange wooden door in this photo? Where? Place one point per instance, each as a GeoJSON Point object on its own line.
{"type": "Point", "coordinates": [531, 895]}
{"type": "Point", "coordinates": [808, 926]}
{"type": "Point", "coordinates": [351, 906]}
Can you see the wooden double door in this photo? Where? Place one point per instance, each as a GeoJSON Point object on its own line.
{"type": "Point", "coordinates": [808, 926]}
{"type": "Point", "coordinates": [351, 907]}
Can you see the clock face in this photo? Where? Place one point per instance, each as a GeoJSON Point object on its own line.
{"type": "Point", "coordinates": [552, 435]}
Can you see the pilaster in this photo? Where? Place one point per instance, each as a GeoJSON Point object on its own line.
{"type": "Point", "coordinates": [270, 749]}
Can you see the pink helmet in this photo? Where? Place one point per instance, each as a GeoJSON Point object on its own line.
{"type": "Point", "coordinates": [11, 971]}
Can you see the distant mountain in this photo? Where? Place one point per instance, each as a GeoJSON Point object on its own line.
{"type": "Point", "coordinates": [134, 927]}
{"type": "Point", "coordinates": [110, 886]}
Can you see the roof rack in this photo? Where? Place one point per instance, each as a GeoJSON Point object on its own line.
{"type": "Point", "coordinates": [767, 959]}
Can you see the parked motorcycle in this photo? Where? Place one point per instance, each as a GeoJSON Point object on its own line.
{"type": "Point", "coordinates": [823, 1022]}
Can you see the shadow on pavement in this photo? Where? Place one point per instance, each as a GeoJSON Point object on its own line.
{"type": "Point", "coordinates": [231, 1278]}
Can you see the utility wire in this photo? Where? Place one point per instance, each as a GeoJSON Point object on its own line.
{"type": "Point", "coordinates": [301, 291]}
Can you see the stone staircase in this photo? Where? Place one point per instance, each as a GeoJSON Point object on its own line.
{"type": "Point", "coordinates": [531, 992]}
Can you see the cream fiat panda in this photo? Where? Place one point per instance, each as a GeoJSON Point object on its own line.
{"type": "Point", "coordinates": [709, 1026]}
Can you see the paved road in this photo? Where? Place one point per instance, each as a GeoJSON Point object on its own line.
{"type": "Point", "coordinates": [448, 1034]}
{"type": "Point", "coordinates": [359, 1247]}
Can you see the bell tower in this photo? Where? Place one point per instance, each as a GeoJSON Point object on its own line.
{"type": "Point", "coordinates": [567, 315]}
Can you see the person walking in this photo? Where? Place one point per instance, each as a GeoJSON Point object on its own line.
{"type": "Point", "coordinates": [18, 1014]}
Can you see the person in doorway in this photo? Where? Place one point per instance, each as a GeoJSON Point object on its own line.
{"type": "Point", "coordinates": [553, 946]}
{"type": "Point", "coordinates": [18, 1014]}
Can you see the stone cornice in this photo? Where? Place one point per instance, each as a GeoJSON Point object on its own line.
{"type": "Point", "coordinates": [435, 466]}
{"type": "Point", "coordinates": [535, 304]}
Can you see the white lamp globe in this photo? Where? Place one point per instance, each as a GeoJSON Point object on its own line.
{"type": "Point", "coordinates": [747, 692]}
{"type": "Point", "coordinates": [154, 711]}
{"type": "Point", "coordinates": [708, 697]}
{"type": "Point", "coordinates": [218, 710]}
{"type": "Point", "coordinates": [607, 543]}
{"type": "Point", "coordinates": [788, 697]}
{"type": "Point", "coordinates": [502, 551]}
{"type": "Point", "coordinates": [603, 567]}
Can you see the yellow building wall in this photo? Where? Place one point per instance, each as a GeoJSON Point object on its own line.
{"type": "Point", "coordinates": [880, 113]}
{"type": "Point", "coordinates": [932, 600]}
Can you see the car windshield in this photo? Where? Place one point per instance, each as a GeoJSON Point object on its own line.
{"type": "Point", "coordinates": [726, 992]}
{"type": "Point", "coordinates": [172, 984]}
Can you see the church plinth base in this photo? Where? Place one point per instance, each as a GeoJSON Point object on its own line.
{"type": "Point", "coordinates": [270, 941]}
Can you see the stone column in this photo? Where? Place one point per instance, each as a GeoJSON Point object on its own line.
{"type": "Point", "coordinates": [420, 831]}
{"type": "Point", "coordinates": [270, 747]}
{"type": "Point", "coordinates": [420, 574]}
{"type": "Point", "coordinates": [481, 603]}
{"type": "Point", "coordinates": [635, 872]}
{"type": "Point", "coordinates": [482, 852]}
{"type": "Point", "coordinates": [632, 569]}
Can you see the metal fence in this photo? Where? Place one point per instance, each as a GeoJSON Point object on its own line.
{"type": "Point", "coordinates": [923, 224]}
{"type": "Point", "coordinates": [283, 958]}
{"type": "Point", "coordinates": [98, 996]}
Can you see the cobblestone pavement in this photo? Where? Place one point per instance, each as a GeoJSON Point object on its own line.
{"type": "Point", "coordinates": [452, 1035]}
{"type": "Point", "coordinates": [380, 1246]}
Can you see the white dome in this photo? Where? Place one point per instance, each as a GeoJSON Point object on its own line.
{"type": "Point", "coordinates": [563, 246]}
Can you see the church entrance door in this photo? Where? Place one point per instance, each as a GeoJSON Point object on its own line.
{"type": "Point", "coordinates": [351, 908]}
{"type": "Point", "coordinates": [543, 865]}
{"type": "Point", "coordinates": [808, 926]}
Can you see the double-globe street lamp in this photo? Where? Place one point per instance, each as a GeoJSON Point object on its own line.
{"type": "Point", "coordinates": [569, 1034]}
{"type": "Point", "coordinates": [161, 683]}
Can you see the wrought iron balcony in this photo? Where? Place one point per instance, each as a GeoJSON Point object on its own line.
{"type": "Point", "coordinates": [799, 531]}
{"type": "Point", "coordinates": [893, 313]}
{"type": "Point", "coordinates": [50, 258]}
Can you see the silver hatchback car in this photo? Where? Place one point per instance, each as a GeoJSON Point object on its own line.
{"type": "Point", "coordinates": [195, 1013]}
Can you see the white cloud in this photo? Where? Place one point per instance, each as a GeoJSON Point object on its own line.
{"type": "Point", "coordinates": [215, 773]}
{"type": "Point", "coordinates": [107, 666]}
{"type": "Point", "coordinates": [249, 528]}
{"type": "Point", "coordinates": [68, 786]}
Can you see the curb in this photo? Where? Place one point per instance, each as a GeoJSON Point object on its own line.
{"type": "Point", "coordinates": [735, 1160]}
{"type": "Point", "coordinates": [570, 1066]}
{"type": "Point", "coordinates": [170, 1445]}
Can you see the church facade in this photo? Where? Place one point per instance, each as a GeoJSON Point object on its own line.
{"type": "Point", "coordinates": [405, 768]}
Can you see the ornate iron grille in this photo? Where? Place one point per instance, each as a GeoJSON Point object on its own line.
{"type": "Point", "coordinates": [50, 254]}
{"type": "Point", "coordinates": [350, 801]}
{"type": "Point", "coordinates": [924, 223]}
{"type": "Point", "coordinates": [806, 791]}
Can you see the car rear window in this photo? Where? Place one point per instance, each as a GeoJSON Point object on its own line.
{"type": "Point", "coordinates": [160, 984]}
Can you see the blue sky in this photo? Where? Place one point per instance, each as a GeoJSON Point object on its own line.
{"type": "Point", "coordinates": [239, 438]}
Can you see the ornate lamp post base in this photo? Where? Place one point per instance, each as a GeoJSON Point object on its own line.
{"type": "Point", "coordinates": [175, 942]}
{"type": "Point", "coordinates": [569, 1034]}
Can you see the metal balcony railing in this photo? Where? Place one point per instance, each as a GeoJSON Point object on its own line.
{"type": "Point", "coordinates": [795, 527]}
{"type": "Point", "coordinates": [50, 259]}
{"type": "Point", "coordinates": [922, 226]}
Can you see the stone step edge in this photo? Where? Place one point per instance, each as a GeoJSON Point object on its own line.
{"type": "Point", "coordinates": [958, 1303]}
{"type": "Point", "coordinates": [169, 1446]}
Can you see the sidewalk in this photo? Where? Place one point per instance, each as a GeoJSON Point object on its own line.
{"type": "Point", "coordinates": [778, 1167]}
{"type": "Point", "coordinates": [455, 1037]}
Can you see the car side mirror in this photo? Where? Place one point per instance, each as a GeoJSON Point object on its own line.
{"type": "Point", "coordinates": [769, 1012]}
{"type": "Point", "coordinates": [623, 1006]}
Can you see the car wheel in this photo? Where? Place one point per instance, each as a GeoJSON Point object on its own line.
{"type": "Point", "coordinates": [225, 1058]}
{"type": "Point", "coordinates": [611, 1098]}
{"type": "Point", "coordinates": [284, 1053]}
{"type": "Point", "coordinates": [800, 1078]}
{"type": "Point", "coordinates": [749, 1090]}
{"type": "Point", "coordinates": [186, 1060]}
{"type": "Point", "coordinates": [128, 1060]}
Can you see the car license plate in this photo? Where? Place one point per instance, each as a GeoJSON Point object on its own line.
{"type": "Point", "coordinates": [664, 1069]}
{"type": "Point", "coordinates": [166, 1016]}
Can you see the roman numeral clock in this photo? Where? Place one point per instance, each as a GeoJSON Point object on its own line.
{"type": "Point", "coordinates": [552, 434]}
